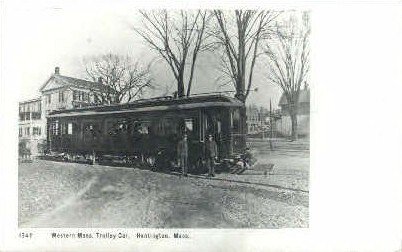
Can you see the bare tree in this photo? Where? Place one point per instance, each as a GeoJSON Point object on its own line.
{"type": "Point", "coordinates": [288, 62]}
{"type": "Point", "coordinates": [123, 79]}
{"type": "Point", "coordinates": [240, 33]}
{"type": "Point", "coordinates": [178, 37]}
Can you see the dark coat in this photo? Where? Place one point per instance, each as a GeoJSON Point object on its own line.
{"type": "Point", "coordinates": [211, 149]}
{"type": "Point", "coordinates": [182, 148]}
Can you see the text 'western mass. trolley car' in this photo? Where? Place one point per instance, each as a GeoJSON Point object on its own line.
{"type": "Point", "coordinates": [148, 130]}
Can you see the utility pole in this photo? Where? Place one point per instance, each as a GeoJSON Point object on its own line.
{"type": "Point", "coordinates": [270, 125]}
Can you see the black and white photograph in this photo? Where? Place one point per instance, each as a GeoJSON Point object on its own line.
{"type": "Point", "coordinates": [200, 126]}
{"type": "Point", "coordinates": [201, 122]}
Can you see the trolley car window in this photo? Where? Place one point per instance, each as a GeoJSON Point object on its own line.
{"type": "Point", "coordinates": [115, 128]}
{"type": "Point", "coordinates": [235, 120]}
{"type": "Point", "coordinates": [70, 129]}
{"type": "Point", "coordinates": [189, 125]}
{"type": "Point", "coordinates": [89, 127]}
{"type": "Point", "coordinates": [143, 128]}
{"type": "Point", "coordinates": [55, 128]}
{"type": "Point", "coordinates": [165, 127]}
{"type": "Point", "coordinates": [63, 128]}
{"type": "Point", "coordinates": [202, 126]}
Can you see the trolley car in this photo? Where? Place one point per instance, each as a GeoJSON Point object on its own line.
{"type": "Point", "coordinates": [150, 129]}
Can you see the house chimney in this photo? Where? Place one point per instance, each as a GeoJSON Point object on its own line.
{"type": "Point", "coordinates": [57, 70]}
{"type": "Point", "coordinates": [100, 81]}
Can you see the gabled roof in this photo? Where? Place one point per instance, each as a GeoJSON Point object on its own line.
{"type": "Point", "coordinates": [58, 81]}
{"type": "Point", "coordinates": [304, 97]}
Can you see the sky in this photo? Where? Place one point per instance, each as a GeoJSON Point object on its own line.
{"type": "Point", "coordinates": [44, 38]}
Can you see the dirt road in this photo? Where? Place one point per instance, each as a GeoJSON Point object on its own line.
{"type": "Point", "coordinates": [110, 197]}
{"type": "Point", "coordinates": [53, 194]}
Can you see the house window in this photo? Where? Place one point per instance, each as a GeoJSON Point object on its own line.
{"type": "Point", "coordinates": [20, 132]}
{"type": "Point", "coordinates": [28, 131]}
{"type": "Point", "coordinates": [36, 116]}
{"type": "Point", "coordinates": [81, 96]}
{"type": "Point", "coordinates": [84, 96]}
{"type": "Point", "coordinates": [61, 96]}
{"type": "Point", "coordinates": [39, 107]}
{"type": "Point", "coordinates": [49, 99]}
{"type": "Point", "coordinates": [75, 95]}
{"type": "Point", "coordinates": [36, 131]}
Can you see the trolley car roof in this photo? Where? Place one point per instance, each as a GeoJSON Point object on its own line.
{"type": "Point", "coordinates": [153, 105]}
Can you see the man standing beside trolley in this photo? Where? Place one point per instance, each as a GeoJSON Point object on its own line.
{"type": "Point", "coordinates": [182, 152]}
{"type": "Point", "coordinates": [212, 154]}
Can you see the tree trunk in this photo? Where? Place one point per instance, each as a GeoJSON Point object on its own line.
{"type": "Point", "coordinates": [180, 85]}
{"type": "Point", "coordinates": [240, 90]}
{"type": "Point", "coordinates": [293, 119]}
{"type": "Point", "coordinates": [180, 89]}
{"type": "Point", "coordinates": [243, 127]}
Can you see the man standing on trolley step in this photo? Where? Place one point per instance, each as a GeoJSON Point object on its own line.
{"type": "Point", "coordinates": [212, 154]}
{"type": "Point", "coordinates": [182, 152]}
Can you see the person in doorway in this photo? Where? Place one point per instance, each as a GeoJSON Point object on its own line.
{"type": "Point", "coordinates": [182, 152]}
{"type": "Point", "coordinates": [212, 154]}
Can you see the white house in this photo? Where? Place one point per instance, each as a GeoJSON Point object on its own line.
{"type": "Point", "coordinates": [284, 125]}
{"type": "Point", "coordinates": [57, 93]}
{"type": "Point", "coordinates": [32, 124]}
